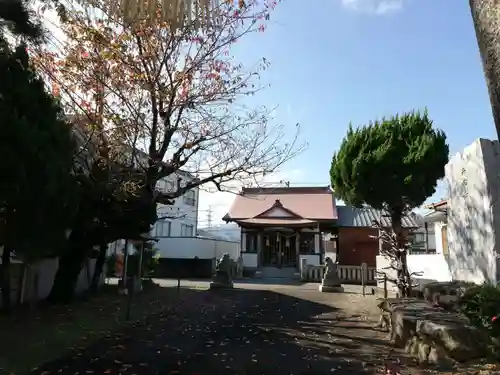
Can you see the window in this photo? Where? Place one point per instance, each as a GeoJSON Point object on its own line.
{"type": "Point", "coordinates": [160, 186]}
{"type": "Point", "coordinates": [169, 186]}
{"type": "Point", "coordinates": [186, 230]}
{"type": "Point", "coordinates": [162, 228]}
{"type": "Point", "coordinates": [189, 198]}
{"type": "Point", "coordinates": [418, 239]}
{"type": "Point", "coordinates": [418, 244]}
{"type": "Point", "coordinates": [164, 213]}
{"type": "Point", "coordinates": [306, 243]}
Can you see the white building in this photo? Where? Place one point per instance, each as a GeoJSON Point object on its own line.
{"type": "Point", "coordinates": [179, 246]}
{"type": "Point", "coordinates": [181, 218]}
{"type": "Point", "coordinates": [436, 221]}
{"type": "Point", "coordinates": [177, 220]}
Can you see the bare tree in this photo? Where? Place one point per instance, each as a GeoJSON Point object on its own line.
{"type": "Point", "coordinates": [176, 95]}
{"type": "Point", "coordinates": [391, 249]}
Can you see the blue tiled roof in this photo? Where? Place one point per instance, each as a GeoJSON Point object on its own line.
{"type": "Point", "coordinates": [349, 216]}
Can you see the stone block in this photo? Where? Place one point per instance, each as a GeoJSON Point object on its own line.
{"type": "Point", "coordinates": [432, 334]}
{"type": "Point", "coordinates": [404, 325]}
{"type": "Point", "coordinates": [461, 341]}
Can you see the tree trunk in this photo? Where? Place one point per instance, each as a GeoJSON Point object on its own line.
{"type": "Point", "coordinates": [5, 279]}
{"type": "Point", "coordinates": [486, 17]}
{"type": "Point", "coordinates": [403, 275]}
{"type": "Point", "coordinates": [99, 265]}
{"type": "Point", "coordinates": [70, 265]}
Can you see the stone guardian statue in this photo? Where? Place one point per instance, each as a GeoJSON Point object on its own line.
{"type": "Point", "coordinates": [222, 278]}
{"type": "Point", "coordinates": [331, 281]}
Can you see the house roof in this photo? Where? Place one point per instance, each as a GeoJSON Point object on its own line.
{"type": "Point", "coordinates": [310, 203]}
{"type": "Point", "coordinates": [277, 222]}
{"type": "Point", "coordinates": [441, 205]}
{"type": "Point", "coordinates": [350, 216]}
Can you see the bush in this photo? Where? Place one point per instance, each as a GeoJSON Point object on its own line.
{"type": "Point", "coordinates": [481, 304]}
{"type": "Point", "coordinates": [149, 263]}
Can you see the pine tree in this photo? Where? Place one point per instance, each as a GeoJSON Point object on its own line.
{"type": "Point", "coordinates": [392, 165]}
{"type": "Point", "coordinates": [36, 160]}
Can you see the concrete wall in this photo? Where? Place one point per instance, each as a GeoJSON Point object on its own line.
{"type": "Point", "coordinates": [431, 237]}
{"type": "Point", "coordinates": [46, 271]}
{"type": "Point", "coordinates": [203, 248]}
{"type": "Point", "coordinates": [473, 212]}
{"type": "Point", "coordinates": [250, 260]}
{"type": "Point", "coordinates": [434, 267]}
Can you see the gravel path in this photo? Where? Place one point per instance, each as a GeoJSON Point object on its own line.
{"type": "Point", "coordinates": [256, 329]}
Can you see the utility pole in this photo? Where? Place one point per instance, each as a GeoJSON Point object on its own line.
{"type": "Point", "coordinates": [209, 217]}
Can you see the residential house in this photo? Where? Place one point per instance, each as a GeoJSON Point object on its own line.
{"type": "Point", "coordinates": [436, 222]}
{"type": "Point", "coordinates": [357, 238]}
{"type": "Point", "coordinates": [181, 218]}
{"type": "Point", "coordinates": [280, 226]}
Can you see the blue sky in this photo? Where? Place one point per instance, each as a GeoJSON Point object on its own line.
{"type": "Point", "coordinates": [357, 60]}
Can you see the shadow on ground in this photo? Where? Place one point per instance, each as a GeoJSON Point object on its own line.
{"type": "Point", "coordinates": [270, 281]}
{"type": "Point", "coordinates": [234, 332]}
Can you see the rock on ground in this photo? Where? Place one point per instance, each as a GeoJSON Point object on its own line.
{"type": "Point", "coordinates": [431, 334]}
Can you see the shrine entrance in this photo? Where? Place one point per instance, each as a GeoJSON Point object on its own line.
{"type": "Point", "coordinates": [279, 249]}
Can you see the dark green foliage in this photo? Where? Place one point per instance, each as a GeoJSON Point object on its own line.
{"type": "Point", "coordinates": [393, 163]}
{"type": "Point", "coordinates": [481, 304]}
{"type": "Point", "coordinates": [15, 15]}
{"type": "Point", "coordinates": [149, 263]}
{"type": "Point", "coordinates": [109, 211]}
{"type": "Point", "coordinates": [37, 190]}
{"type": "Point", "coordinates": [106, 213]}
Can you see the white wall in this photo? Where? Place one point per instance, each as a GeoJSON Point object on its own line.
{"type": "Point", "coordinates": [311, 260]}
{"type": "Point", "coordinates": [431, 237]}
{"type": "Point", "coordinates": [203, 248]}
{"type": "Point", "coordinates": [433, 266]}
{"type": "Point", "coordinates": [473, 211]}
{"type": "Point", "coordinates": [250, 260]}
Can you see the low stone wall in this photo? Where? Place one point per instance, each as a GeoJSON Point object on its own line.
{"type": "Point", "coordinates": [29, 289]}
{"type": "Point", "coordinates": [446, 294]}
{"type": "Point", "coordinates": [431, 334]}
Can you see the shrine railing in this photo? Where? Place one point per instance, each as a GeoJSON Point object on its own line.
{"type": "Point", "coordinates": [347, 274]}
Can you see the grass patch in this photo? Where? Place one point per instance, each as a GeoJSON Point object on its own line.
{"type": "Point", "coordinates": [29, 338]}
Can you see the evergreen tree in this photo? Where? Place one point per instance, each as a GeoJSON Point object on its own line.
{"type": "Point", "coordinates": [16, 17]}
{"type": "Point", "coordinates": [393, 165]}
{"type": "Point", "coordinates": [36, 158]}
